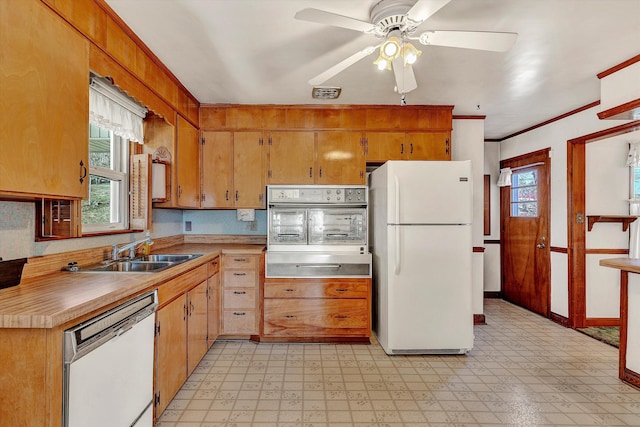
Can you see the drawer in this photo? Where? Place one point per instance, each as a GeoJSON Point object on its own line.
{"type": "Point", "coordinates": [213, 266]}
{"type": "Point", "coordinates": [239, 278]}
{"type": "Point", "coordinates": [240, 261]}
{"type": "Point", "coordinates": [316, 317]}
{"type": "Point", "coordinates": [323, 288]}
{"type": "Point", "coordinates": [239, 298]}
{"type": "Point", "coordinates": [181, 284]}
{"type": "Point", "coordinates": [239, 322]}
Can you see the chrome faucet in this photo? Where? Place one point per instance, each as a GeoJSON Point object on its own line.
{"type": "Point", "coordinates": [131, 247]}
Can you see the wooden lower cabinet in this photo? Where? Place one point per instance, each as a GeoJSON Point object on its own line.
{"type": "Point", "coordinates": [317, 309]}
{"type": "Point", "coordinates": [241, 275]}
{"type": "Point", "coordinates": [197, 322]}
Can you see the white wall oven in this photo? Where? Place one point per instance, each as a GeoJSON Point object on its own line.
{"type": "Point", "coordinates": [317, 231]}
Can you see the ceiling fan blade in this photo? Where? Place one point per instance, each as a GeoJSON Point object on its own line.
{"type": "Point", "coordinates": [481, 40]}
{"type": "Point", "coordinates": [423, 9]}
{"type": "Point", "coordinates": [328, 18]}
{"type": "Point", "coordinates": [342, 65]}
{"type": "Point", "coordinates": [405, 77]}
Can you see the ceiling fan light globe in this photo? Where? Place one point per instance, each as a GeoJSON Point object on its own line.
{"type": "Point", "coordinates": [390, 49]}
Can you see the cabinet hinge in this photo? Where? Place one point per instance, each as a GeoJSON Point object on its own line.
{"type": "Point", "coordinates": [156, 399]}
{"type": "Point", "coordinates": [261, 197]}
{"type": "Point", "coordinates": [269, 174]}
{"type": "Point", "coordinates": [156, 332]}
{"type": "Point", "coordinates": [269, 140]}
{"type": "Point", "coordinates": [203, 197]}
{"type": "Point", "coordinates": [203, 140]}
{"type": "Point", "coordinates": [261, 141]}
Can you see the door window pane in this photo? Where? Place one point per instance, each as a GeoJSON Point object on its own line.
{"type": "Point", "coordinates": [524, 193]}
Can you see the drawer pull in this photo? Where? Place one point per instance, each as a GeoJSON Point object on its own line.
{"type": "Point", "coordinates": [342, 290]}
{"type": "Point", "coordinates": [239, 292]}
{"type": "Point", "coordinates": [239, 274]}
{"type": "Point", "coordinates": [240, 259]}
{"type": "Point", "coordinates": [289, 316]}
{"type": "Point", "coordinates": [341, 317]}
{"type": "Point", "coordinates": [289, 290]}
{"type": "Point", "coordinates": [237, 313]}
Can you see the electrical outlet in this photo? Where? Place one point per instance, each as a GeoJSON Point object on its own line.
{"type": "Point", "coordinates": [187, 226]}
{"type": "Point", "coordinates": [254, 225]}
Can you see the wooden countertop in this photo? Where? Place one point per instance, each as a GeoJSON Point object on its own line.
{"type": "Point", "coordinates": [631, 265]}
{"type": "Point", "coordinates": [58, 298]}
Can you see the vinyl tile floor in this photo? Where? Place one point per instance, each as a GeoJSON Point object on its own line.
{"type": "Point", "coordinates": [524, 370]}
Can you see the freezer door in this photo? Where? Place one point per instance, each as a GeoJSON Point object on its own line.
{"type": "Point", "coordinates": [429, 192]}
{"type": "Point", "coordinates": [428, 295]}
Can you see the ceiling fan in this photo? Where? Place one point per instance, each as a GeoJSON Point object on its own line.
{"type": "Point", "coordinates": [394, 23]}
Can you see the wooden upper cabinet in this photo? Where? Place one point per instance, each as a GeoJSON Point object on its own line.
{"type": "Point", "coordinates": [217, 170]}
{"type": "Point", "coordinates": [383, 146]}
{"type": "Point", "coordinates": [186, 163]}
{"type": "Point", "coordinates": [44, 99]}
{"type": "Point", "coordinates": [429, 146]}
{"type": "Point", "coordinates": [291, 157]}
{"type": "Point", "coordinates": [248, 170]}
{"type": "Point", "coordinates": [233, 170]}
{"type": "Point", "coordinates": [340, 158]}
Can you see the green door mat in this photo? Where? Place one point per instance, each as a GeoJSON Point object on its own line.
{"type": "Point", "coordinates": [607, 334]}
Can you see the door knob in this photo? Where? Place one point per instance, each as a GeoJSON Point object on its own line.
{"type": "Point", "coordinates": [542, 244]}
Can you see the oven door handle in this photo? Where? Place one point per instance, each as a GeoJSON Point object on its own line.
{"type": "Point", "coordinates": [334, 266]}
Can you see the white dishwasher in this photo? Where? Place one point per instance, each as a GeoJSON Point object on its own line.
{"type": "Point", "coordinates": [108, 367]}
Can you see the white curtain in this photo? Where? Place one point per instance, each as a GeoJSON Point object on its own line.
{"type": "Point", "coordinates": [113, 110]}
{"type": "Point", "coordinates": [504, 180]}
{"type": "Point", "coordinates": [633, 158]}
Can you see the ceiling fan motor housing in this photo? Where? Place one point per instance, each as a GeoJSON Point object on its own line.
{"type": "Point", "coordinates": [389, 15]}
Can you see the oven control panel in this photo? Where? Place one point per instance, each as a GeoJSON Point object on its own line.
{"type": "Point", "coordinates": [313, 194]}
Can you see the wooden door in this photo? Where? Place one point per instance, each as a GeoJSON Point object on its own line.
{"type": "Point", "coordinates": [383, 146]}
{"type": "Point", "coordinates": [340, 158]}
{"type": "Point", "coordinates": [525, 254]}
{"type": "Point", "coordinates": [171, 352]}
{"type": "Point", "coordinates": [291, 157]}
{"type": "Point", "coordinates": [428, 146]}
{"type": "Point", "coordinates": [213, 315]}
{"type": "Point", "coordinates": [188, 171]}
{"type": "Point", "coordinates": [248, 170]}
{"type": "Point", "coordinates": [44, 100]}
{"type": "Point", "coordinates": [197, 306]}
{"type": "Point", "coordinates": [217, 170]}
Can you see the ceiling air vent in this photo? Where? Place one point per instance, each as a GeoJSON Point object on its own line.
{"type": "Point", "coordinates": [326, 92]}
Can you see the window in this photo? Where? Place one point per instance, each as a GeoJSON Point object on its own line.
{"type": "Point", "coordinates": [524, 193]}
{"type": "Point", "coordinates": [106, 207]}
{"type": "Point", "coordinates": [635, 182]}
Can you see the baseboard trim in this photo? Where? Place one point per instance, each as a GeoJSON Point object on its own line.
{"type": "Point", "coordinates": [493, 294]}
{"type": "Point", "coordinates": [479, 319]}
{"type": "Point", "coordinates": [631, 377]}
{"type": "Point", "coordinates": [561, 320]}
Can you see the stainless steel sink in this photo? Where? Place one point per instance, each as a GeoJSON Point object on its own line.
{"type": "Point", "coordinates": [166, 257]}
{"type": "Point", "coordinates": [143, 264]}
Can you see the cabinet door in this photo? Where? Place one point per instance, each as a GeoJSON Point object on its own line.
{"type": "Point", "coordinates": [340, 158]}
{"type": "Point", "coordinates": [213, 315]}
{"type": "Point", "coordinates": [188, 172]}
{"type": "Point", "coordinates": [217, 170]}
{"type": "Point", "coordinates": [44, 100]}
{"type": "Point", "coordinates": [383, 146]}
{"type": "Point", "coordinates": [291, 157]}
{"type": "Point", "coordinates": [197, 306]}
{"type": "Point", "coordinates": [429, 146]}
{"type": "Point", "coordinates": [171, 351]}
{"type": "Point", "coordinates": [248, 170]}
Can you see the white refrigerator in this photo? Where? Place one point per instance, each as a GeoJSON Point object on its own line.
{"type": "Point", "coordinates": [421, 212]}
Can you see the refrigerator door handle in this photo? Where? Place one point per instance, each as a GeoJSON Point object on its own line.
{"type": "Point", "coordinates": [397, 211]}
{"type": "Point", "coordinates": [396, 269]}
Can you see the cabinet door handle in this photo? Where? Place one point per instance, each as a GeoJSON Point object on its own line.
{"type": "Point", "coordinates": [320, 172]}
{"type": "Point", "coordinates": [179, 191]}
{"type": "Point", "coordinates": [236, 195]}
{"type": "Point", "coordinates": [342, 290]}
{"type": "Point", "coordinates": [240, 259]}
{"type": "Point", "coordinates": [239, 274]}
{"type": "Point", "coordinates": [411, 148]}
{"type": "Point", "coordinates": [289, 316]}
{"type": "Point", "coordinates": [239, 292]}
{"type": "Point", "coordinates": [402, 148]}
{"type": "Point", "coordinates": [239, 313]}
{"type": "Point", "coordinates": [83, 171]}
{"type": "Point", "coordinates": [446, 144]}
{"type": "Point", "coordinates": [226, 195]}
{"type": "Point", "coordinates": [289, 290]}
{"type": "Point", "coordinates": [341, 317]}
{"type": "Point", "coordinates": [310, 172]}
{"type": "Point", "coordinates": [192, 308]}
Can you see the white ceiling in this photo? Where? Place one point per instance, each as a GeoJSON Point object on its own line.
{"type": "Point", "coordinates": [255, 52]}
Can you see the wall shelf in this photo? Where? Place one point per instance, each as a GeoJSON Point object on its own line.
{"type": "Point", "coordinates": [625, 220]}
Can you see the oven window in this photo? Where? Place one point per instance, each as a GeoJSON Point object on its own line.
{"type": "Point", "coordinates": [287, 226]}
{"type": "Point", "coordinates": [337, 227]}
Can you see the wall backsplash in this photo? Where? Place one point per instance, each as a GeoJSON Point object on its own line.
{"type": "Point", "coordinates": [17, 229]}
